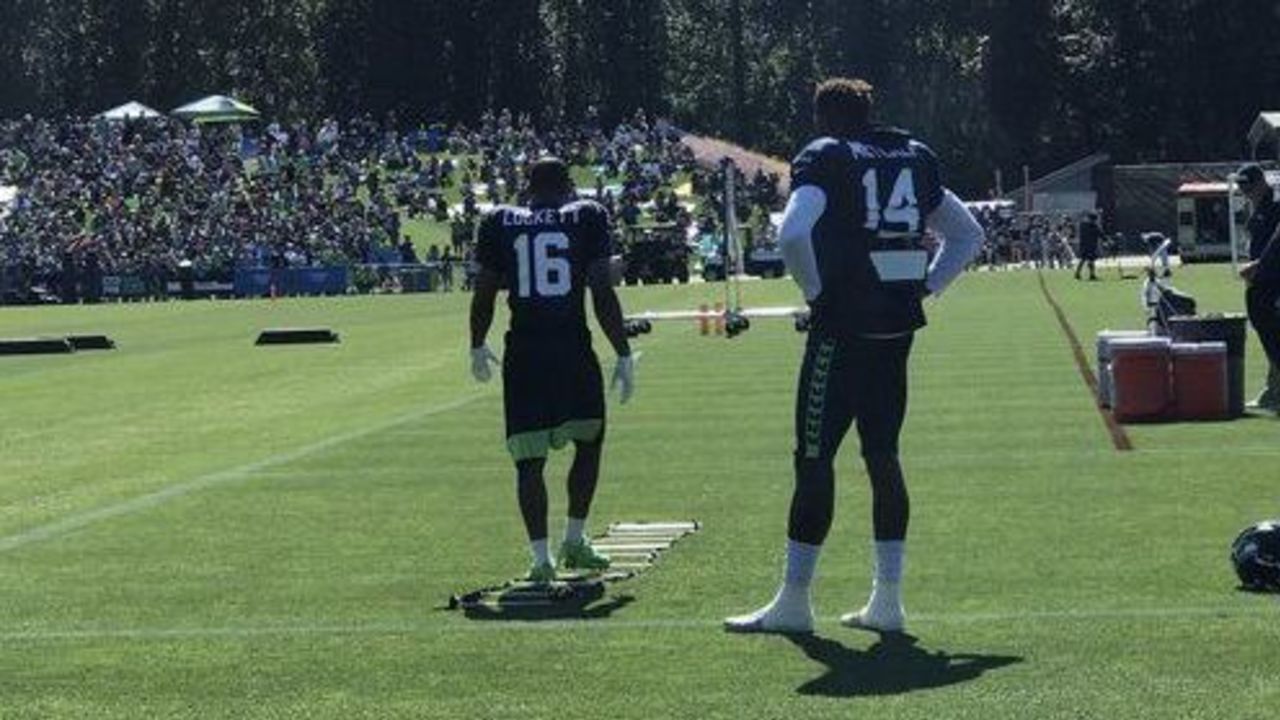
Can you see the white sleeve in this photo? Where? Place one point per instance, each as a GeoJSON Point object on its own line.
{"type": "Point", "coordinates": [962, 239]}
{"type": "Point", "coordinates": [795, 238]}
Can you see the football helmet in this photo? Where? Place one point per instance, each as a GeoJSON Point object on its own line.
{"type": "Point", "coordinates": [1256, 556]}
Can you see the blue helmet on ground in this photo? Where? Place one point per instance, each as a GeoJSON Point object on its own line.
{"type": "Point", "coordinates": [1256, 556]}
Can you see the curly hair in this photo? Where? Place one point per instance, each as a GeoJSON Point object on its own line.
{"type": "Point", "coordinates": [843, 105]}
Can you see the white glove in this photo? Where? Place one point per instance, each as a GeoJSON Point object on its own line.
{"type": "Point", "coordinates": [481, 357]}
{"type": "Point", "coordinates": [624, 377]}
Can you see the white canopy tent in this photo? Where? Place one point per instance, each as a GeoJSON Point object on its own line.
{"type": "Point", "coordinates": [1265, 132]}
{"type": "Point", "coordinates": [217, 109]}
{"type": "Point", "coordinates": [129, 111]}
{"type": "Point", "coordinates": [7, 195]}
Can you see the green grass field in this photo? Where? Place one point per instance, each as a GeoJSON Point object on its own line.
{"type": "Point", "coordinates": [191, 527]}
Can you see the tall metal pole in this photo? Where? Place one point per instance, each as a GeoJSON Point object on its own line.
{"type": "Point", "coordinates": [1232, 231]}
{"type": "Point", "coordinates": [734, 267]}
{"type": "Point", "coordinates": [1027, 197]}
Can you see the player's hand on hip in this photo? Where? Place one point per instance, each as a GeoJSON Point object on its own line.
{"type": "Point", "coordinates": [624, 377]}
{"type": "Point", "coordinates": [481, 358]}
{"type": "Point", "coordinates": [1248, 270]}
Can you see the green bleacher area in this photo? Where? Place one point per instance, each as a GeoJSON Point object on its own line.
{"type": "Point", "coordinates": [425, 232]}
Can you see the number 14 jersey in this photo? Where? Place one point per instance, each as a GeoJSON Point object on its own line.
{"type": "Point", "coordinates": [880, 187]}
{"type": "Point", "coordinates": [543, 253]}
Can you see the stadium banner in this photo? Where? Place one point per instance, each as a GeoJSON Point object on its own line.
{"type": "Point", "coordinates": [124, 286]}
{"type": "Point", "coordinates": [259, 282]}
{"type": "Point", "coordinates": [200, 289]}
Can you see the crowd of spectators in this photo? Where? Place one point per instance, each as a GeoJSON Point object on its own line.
{"type": "Point", "coordinates": [1019, 239]}
{"type": "Point", "coordinates": [155, 198]}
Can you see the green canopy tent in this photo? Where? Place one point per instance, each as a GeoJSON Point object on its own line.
{"type": "Point", "coordinates": [217, 109]}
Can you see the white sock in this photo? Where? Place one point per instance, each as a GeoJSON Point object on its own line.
{"type": "Point", "coordinates": [885, 597]}
{"type": "Point", "coordinates": [790, 609]}
{"type": "Point", "coordinates": [890, 555]}
{"type": "Point", "coordinates": [541, 551]}
{"type": "Point", "coordinates": [575, 529]}
{"type": "Point", "coordinates": [793, 596]}
{"type": "Point", "coordinates": [886, 592]}
{"type": "Point", "coordinates": [802, 560]}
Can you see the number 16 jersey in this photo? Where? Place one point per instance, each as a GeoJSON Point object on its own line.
{"type": "Point", "coordinates": [543, 253]}
{"type": "Point", "coordinates": [880, 187]}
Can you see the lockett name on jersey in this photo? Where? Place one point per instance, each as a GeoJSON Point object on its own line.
{"type": "Point", "coordinates": [528, 217]}
{"type": "Point", "coordinates": [543, 254]}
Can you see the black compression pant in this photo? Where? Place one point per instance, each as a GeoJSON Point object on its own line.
{"type": "Point", "coordinates": [1265, 318]}
{"type": "Point", "coordinates": [531, 487]}
{"type": "Point", "coordinates": [844, 380]}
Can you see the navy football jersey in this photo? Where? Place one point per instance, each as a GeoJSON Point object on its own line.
{"type": "Point", "coordinates": [543, 254]}
{"type": "Point", "coordinates": [880, 188]}
{"type": "Point", "coordinates": [1262, 225]}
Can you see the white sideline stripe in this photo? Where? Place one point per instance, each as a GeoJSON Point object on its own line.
{"type": "Point", "coordinates": [409, 628]}
{"type": "Point", "coordinates": [61, 527]}
{"type": "Point", "coordinates": [920, 458]}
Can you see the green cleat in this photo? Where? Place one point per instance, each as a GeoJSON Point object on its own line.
{"type": "Point", "coordinates": [542, 573]}
{"type": "Point", "coordinates": [580, 555]}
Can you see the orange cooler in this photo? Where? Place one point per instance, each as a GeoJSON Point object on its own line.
{"type": "Point", "coordinates": [1141, 387]}
{"type": "Point", "coordinates": [1105, 338]}
{"type": "Point", "coordinates": [1200, 381]}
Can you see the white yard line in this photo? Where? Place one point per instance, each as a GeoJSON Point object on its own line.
{"type": "Point", "coordinates": [141, 503]}
{"type": "Point", "coordinates": [603, 625]}
{"type": "Point", "coordinates": [919, 458]}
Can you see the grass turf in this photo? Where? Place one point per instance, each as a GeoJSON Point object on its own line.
{"type": "Point", "coordinates": [194, 527]}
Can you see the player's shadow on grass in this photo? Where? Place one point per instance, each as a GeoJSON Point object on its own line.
{"type": "Point", "coordinates": [571, 609]}
{"type": "Point", "coordinates": [893, 666]}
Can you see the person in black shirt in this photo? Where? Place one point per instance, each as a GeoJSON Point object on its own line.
{"type": "Point", "coordinates": [408, 253]}
{"type": "Point", "coordinates": [547, 255]}
{"type": "Point", "coordinates": [68, 279]}
{"type": "Point", "coordinates": [1090, 234]}
{"type": "Point", "coordinates": [852, 236]}
{"type": "Point", "coordinates": [1262, 273]}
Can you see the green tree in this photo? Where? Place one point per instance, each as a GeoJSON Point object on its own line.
{"type": "Point", "coordinates": [466, 61]}
{"type": "Point", "coordinates": [179, 56]}
{"type": "Point", "coordinates": [344, 48]}
{"type": "Point", "coordinates": [518, 59]}
{"type": "Point", "coordinates": [17, 86]}
{"type": "Point", "coordinates": [116, 35]}
{"type": "Point", "coordinates": [1020, 70]}
{"type": "Point", "coordinates": [269, 56]}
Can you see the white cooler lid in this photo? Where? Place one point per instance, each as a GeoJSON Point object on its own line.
{"type": "Point", "coordinates": [1140, 343]}
{"type": "Point", "coordinates": [1203, 348]}
{"type": "Point", "coordinates": [1113, 334]}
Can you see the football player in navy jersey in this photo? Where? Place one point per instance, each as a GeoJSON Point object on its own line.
{"type": "Point", "coordinates": [546, 255]}
{"type": "Point", "coordinates": [1262, 273]}
{"type": "Point", "coordinates": [862, 197]}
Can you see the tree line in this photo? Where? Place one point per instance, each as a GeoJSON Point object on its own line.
{"type": "Point", "coordinates": [992, 84]}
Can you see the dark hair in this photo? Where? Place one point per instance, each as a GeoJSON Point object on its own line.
{"type": "Point", "coordinates": [549, 177]}
{"type": "Point", "coordinates": [843, 105]}
{"type": "Point", "coordinates": [1250, 174]}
